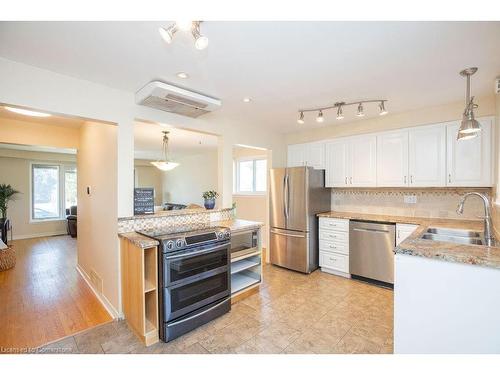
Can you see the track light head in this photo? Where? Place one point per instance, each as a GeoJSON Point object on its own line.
{"type": "Point", "coordinates": [360, 110]}
{"type": "Point", "coordinates": [383, 111]}
{"type": "Point", "coordinates": [320, 117]}
{"type": "Point", "coordinates": [168, 33]}
{"type": "Point", "coordinates": [200, 41]}
{"type": "Point", "coordinates": [340, 115]}
{"type": "Point", "coordinates": [300, 120]}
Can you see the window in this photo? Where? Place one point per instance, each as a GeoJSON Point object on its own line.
{"type": "Point", "coordinates": [250, 176]}
{"type": "Point", "coordinates": [53, 189]}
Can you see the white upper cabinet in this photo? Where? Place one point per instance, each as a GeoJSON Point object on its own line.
{"type": "Point", "coordinates": [363, 161]}
{"type": "Point", "coordinates": [392, 159]}
{"type": "Point", "coordinates": [296, 155]}
{"type": "Point", "coordinates": [469, 161]}
{"type": "Point", "coordinates": [337, 157]}
{"type": "Point", "coordinates": [427, 156]}
{"type": "Point", "coordinates": [306, 154]}
{"type": "Point", "coordinates": [351, 162]}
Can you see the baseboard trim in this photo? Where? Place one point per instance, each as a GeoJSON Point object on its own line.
{"type": "Point", "coordinates": [36, 235]}
{"type": "Point", "coordinates": [101, 297]}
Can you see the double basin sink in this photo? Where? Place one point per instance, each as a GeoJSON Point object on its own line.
{"type": "Point", "coordinates": [460, 236]}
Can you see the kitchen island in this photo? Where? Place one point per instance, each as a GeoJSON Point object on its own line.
{"type": "Point", "coordinates": [142, 256]}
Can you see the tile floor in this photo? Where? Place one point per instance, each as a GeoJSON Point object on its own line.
{"type": "Point", "coordinates": [292, 313]}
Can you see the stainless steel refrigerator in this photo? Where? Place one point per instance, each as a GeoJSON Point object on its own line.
{"type": "Point", "coordinates": [297, 195]}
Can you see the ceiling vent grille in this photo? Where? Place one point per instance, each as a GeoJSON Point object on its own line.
{"type": "Point", "coordinates": [177, 100]}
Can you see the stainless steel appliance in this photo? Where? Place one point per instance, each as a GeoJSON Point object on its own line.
{"type": "Point", "coordinates": [194, 278]}
{"type": "Point", "coordinates": [371, 250]}
{"type": "Point", "coordinates": [297, 195]}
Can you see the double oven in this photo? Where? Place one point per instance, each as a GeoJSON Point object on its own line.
{"type": "Point", "coordinates": [194, 279]}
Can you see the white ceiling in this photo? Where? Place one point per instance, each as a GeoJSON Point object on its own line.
{"type": "Point", "coordinates": [148, 138]}
{"type": "Point", "coordinates": [282, 66]}
{"type": "Point", "coordinates": [55, 120]}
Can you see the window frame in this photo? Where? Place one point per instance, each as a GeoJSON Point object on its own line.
{"type": "Point", "coordinates": [236, 179]}
{"type": "Point", "coordinates": [62, 167]}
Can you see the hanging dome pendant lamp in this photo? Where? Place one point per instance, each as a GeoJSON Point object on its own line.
{"type": "Point", "coordinates": [165, 164]}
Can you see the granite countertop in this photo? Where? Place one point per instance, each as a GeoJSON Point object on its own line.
{"type": "Point", "coordinates": [186, 211]}
{"type": "Point", "coordinates": [235, 225]}
{"type": "Point", "coordinates": [139, 240]}
{"type": "Point", "coordinates": [486, 256]}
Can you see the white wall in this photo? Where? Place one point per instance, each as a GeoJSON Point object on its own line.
{"type": "Point", "coordinates": [47, 91]}
{"type": "Point", "coordinates": [194, 175]}
{"type": "Point", "coordinates": [15, 170]}
{"type": "Point", "coordinates": [98, 253]}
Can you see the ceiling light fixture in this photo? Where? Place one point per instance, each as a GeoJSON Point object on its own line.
{"type": "Point", "coordinates": [247, 100]}
{"type": "Point", "coordinates": [165, 164]}
{"type": "Point", "coordinates": [300, 120]}
{"type": "Point", "coordinates": [200, 41]}
{"type": "Point", "coordinates": [469, 127]}
{"type": "Point", "coordinates": [340, 105]}
{"type": "Point", "coordinates": [340, 115]}
{"type": "Point", "coordinates": [182, 75]}
{"type": "Point", "coordinates": [27, 112]}
{"type": "Point", "coordinates": [320, 117]}
{"type": "Point", "coordinates": [383, 111]}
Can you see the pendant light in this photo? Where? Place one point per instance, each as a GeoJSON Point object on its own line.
{"type": "Point", "coordinates": [320, 117]}
{"type": "Point", "coordinates": [340, 115]}
{"type": "Point", "coordinates": [165, 164]}
{"type": "Point", "coordinates": [469, 127]}
{"type": "Point", "coordinates": [300, 120]}
{"type": "Point", "coordinates": [360, 113]}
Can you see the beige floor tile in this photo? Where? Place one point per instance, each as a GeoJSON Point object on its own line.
{"type": "Point", "coordinates": [258, 345]}
{"type": "Point", "coordinates": [279, 334]}
{"type": "Point", "coordinates": [314, 340]}
{"type": "Point", "coordinates": [355, 344]}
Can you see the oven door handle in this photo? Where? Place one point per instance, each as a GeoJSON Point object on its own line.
{"type": "Point", "coordinates": [196, 253]}
{"type": "Point", "coordinates": [198, 314]}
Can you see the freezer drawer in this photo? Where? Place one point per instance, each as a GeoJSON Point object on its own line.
{"type": "Point", "coordinates": [337, 262]}
{"type": "Point", "coordinates": [371, 250]}
{"type": "Point", "coordinates": [291, 250]}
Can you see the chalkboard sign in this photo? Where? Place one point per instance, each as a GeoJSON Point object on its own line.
{"type": "Point", "coordinates": [144, 201]}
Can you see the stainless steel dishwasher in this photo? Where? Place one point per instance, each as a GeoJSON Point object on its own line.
{"type": "Point", "coordinates": [371, 250]}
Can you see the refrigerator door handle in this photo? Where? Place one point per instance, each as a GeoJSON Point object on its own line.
{"type": "Point", "coordinates": [288, 234]}
{"type": "Point", "coordinates": [286, 197]}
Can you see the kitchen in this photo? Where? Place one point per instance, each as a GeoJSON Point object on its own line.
{"type": "Point", "coordinates": [365, 220]}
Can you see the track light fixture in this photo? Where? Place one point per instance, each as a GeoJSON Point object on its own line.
{"type": "Point", "coordinates": [339, 106]}
{"type": "Point", "coordinates": [200, 41]}
{"type": "Point", "coordinates": [320, 117]}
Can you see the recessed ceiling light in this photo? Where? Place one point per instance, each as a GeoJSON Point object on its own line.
{"type": "Point", "coordinates": [27, 112]}
{"type": "Point", "coordinates": [182, 75]}
{"type": "Point", "coordinates": [247, 100]}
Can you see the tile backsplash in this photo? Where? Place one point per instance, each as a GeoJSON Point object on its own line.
{"type": "Point", "coordinates": [430, 202]}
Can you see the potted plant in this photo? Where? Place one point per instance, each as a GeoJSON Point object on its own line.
{"type": "Point", "coordinates": [210, 197]}
{"type": "Point", "coordinates": [7, 256]}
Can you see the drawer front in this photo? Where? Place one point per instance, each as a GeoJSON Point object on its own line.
{"type": "Point", "coordinates": [334, 261]}
{"type": "Point", "coordinates": [329, 235]}
{"type": "Point", "coordinates": [334, 224]}
{"type": "Point", "coordinates": [334, 246]}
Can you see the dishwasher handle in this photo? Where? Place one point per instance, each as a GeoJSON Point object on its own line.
{"type": "Point", "coordinates": [370, 230]}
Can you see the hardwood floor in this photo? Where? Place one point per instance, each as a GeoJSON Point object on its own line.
{"type": "Point", "coordinates": [44, 298]}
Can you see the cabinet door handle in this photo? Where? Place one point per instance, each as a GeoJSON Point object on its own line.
{"type": "Point", "coordinates": [449, 177]}
{"type": "Point", "coordinates": [405, 180]}
{"type": "Point", "coordinates": [346, 180]}
{"type": "Point", "coordinates": [350, 180]}
{"type": "Point", "coordinates": [411, 179]}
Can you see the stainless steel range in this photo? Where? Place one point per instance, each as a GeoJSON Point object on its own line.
{"type": "Point", "coordinates": [194, 277]}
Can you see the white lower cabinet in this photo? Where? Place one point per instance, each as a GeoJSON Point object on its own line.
{"type": "Point", "coordinates": [334, 246]}
{"type": "Point", "coordinates": [403, 231]}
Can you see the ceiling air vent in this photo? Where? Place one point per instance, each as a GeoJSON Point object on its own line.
{"type": "Point", "coordinates": [177, 100]}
